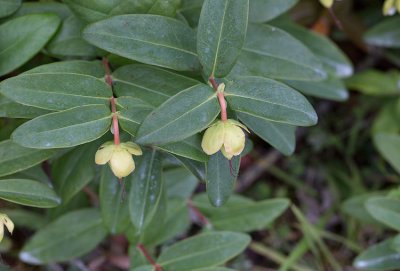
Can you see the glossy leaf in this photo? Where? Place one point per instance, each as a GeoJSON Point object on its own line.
{"type": "Point", "coordinates": [245, 217]}
{"type": "Point", "coordinates": [280, 136]}
{"type": "Point", "coordinates": [198, 169]}
{"type": "Point", "coordinates": [220, 177]}
{"type": "Point", "coordinates": [388, 145]}
{"type": "Point", "coordinates": [132, 113]}
{"type": "Point", "coordinates": [146, 190]}
{"type": "Point", "coordinates": [24, 37]}
{"type": "Point", "coordinates": [388, 119]}
{"type": "Point", "coordinates": [150, 39]}
{"type": "Point", "coordinates": [25, 218]}
{"type": "Point", "coordinates": [164, 125]}
{"type": "Point", "coordinates": [28, 192]}
{"type": "Point", "coordinates": [379, 257]}
{"type": "Point", "coordinates": [158, 7]}
{"type": "Point", "coordinates": [202, 251]}
{"type": "Point", "coordinates": [91, 10]}
{"type": "Point", "coordinates": [70, 236]}
{"type": "Point", "coordinates": [271, 100]}
{"type": "Point", "coordinates": [8, 7]}
{"type": "Point", "coordinates": [220, 35]}
{"type": "Point", "coordinates": [114, 209]}
{"type": "Point", "coordinates": [180, 183]}
{"type": "Point", "coordinates": [68, 41]}
{"type": "Point", "coordinates": [375, 82]}
{"type": "Point", "coordinates": [264, 10]}
{"type": "Point", "coordinates": [191, 10]}
{"type": "Point", "coordinates": [74, 170]}
{"type": "Point", "coordinates": [332, 58]}
{"type": "Point", "coordinates": [331, 88]}
{"type": "Point", "coordinates": [56, 91]}
{"type": "Point", "coordinates": [34, 173]}
{"type": "Point", "coordinates": [15, 158]}
{"type": "Point", "coordinates": [149, 84]}
{"type": "Point", "coordinates": [80, 67]}
{"type": "Point", "coordinates": [189, 148]}
{"type": "Point", "coordinates": [264, 55]}
{"type": "Point", "coordinates": [64, 129]}
{"type": "Point", "coordinates": [385, 210]}
{"type": "Point", "coordinates": [11, 109]}
{"type": "Point", "coordinates": [60, 9]}
{"type": "Point", "coordinates": [385, 33]}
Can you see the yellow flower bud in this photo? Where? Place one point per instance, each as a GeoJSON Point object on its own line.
{"type": "Point", "coordinates": [389, 7]}
{"type": "Point", "coordinates": [327, 3]}
{"type": "Point", "coordinates": [119, 157]}
{"type": "Point", "coordinates": [225, 136]}
{"type": "Point", "coordinates": [5, 220]}
{"type": "Point", "coordinates": [398, 5]}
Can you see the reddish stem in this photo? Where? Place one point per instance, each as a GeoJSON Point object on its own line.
{"type": "Point", "coordinates": [221, 99]}
{"type": "Point", "coordinates": [198, 213]}
{"type": "Point", "coordinates": [148, 256]}
{"type": "Point", "coordinates": [112, 100]}
{"type": "Point", "coordinates": [335, 19]}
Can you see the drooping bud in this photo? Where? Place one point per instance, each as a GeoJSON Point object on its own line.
{"type": "Point", "coordinates": [5, 221]}
{"type": "Point", "coordinates": [389, 8]}
{"type": "Point", "coordinates": [119, 157]}
{"type": "Point", "coordinates": [327, 3]}
{"type": "Point", "coordinates": [225, 136]}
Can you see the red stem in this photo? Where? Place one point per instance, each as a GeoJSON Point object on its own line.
{"type": "Point", "coordinates": [221, 99]}
{"type": "Point", "coordinates": [198, 213]}
{"type": "Point", "coordinates": [148, 256]}
{"type": "Point", "coordinates": [112, 100]}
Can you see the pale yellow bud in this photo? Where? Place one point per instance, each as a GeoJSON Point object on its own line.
{"type": "Point", "coordinates": [5, 221]}
{"type": "Point", "coordinates": [398, 5]}
{"type": "Point", "coordinates": [389, 7]}
{"type": "Point", "coordinates": [327, 3]}
{"type": "Point", "coordinates": [225, 136]}
{"type": "Point", "coordinates": [119, 157]}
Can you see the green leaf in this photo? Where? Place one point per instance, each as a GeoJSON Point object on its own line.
{"type": "Point", "coordinates": [331, 88]}
{"type": "Point", "coordinates": [271, 52]}
{"type": "Point", "coordinates": [8, 7]}
{"type": "Point", "coordinates": [388, 119]}
{"type": "Point", "coordinates": [91, 10]}
{"type": "Point", "coordinates": [149, 84]}
{"type": "Point", "coordinates": [191, 10]}
{"type": "Point", "coordinates": [385, 33]}
{"type": "Point", "coordinates": [173, 120]}
{"type": "Point", "coordinates": [68, 41]}
{"type": "Point", "coordinates": [355, 207]}
{"type": "Point", "coordinates": [375, 82]}
{"type": "Point", "coordinates": [180, 183]}
{"type": "Point", "coordinates": [332, 58]}
{"type": "Point", "coordinates": [64, 129]}
{"type": "Point", "coordinates": [146, 190]}
{"type": "Point", "coordinates": [189, 148]}
{"type": "Point", "coordinates": [378, 257]}
{"type": "Point", "coordinates": [80, 67]}
{"type": "Point", "coordinates": [56, 91]}
{"type": "Point", "coordinates": [24, 37]}
{"type": "Point", "coordinates": [220, 177]}
{"type": "Point", "coordinates": [132, 112]}
{"type": "Point", "coordinates": [150, 39]}
{"type": "Point", "coordinates": [202, 251]}
{"type": "Point", "coordinates": [385, 210]}
{"type": "Point", "coordinates": [157, 7]}
{"type": "Point", "coordinates": [28, 192]}
{"type": "Point", "coordinates": [220, 35]}
{"type": "Point", "coordinates": [245, 217]}
{"type": "Point", "coordinates": [389, 147]}
{"type": "Point", "coordinates": [280, 136]}
{"type": "Point", "coordinates": [74, 170]}
{"type": "Point", "coordinates": [11, 109]}
{"type": "Point", "coordinates": [15, 158]}
{"type": "Point", "coordinates": [264, 10]}
{"type": "Point", "coordinates": [202, 202]}
{"type": "Point", "coordinates": [68, 237]}
{"type": "Point", "coordinates": [34, 173]}
{"type": "Point", "coordinates": [198, 169]}
{"type": "Point", "coordinates": [114, 210]}
{"type": "Point", "coordinates": [27, 219]}
{"type": "Point", "coordinates": [60, 9]}
{"type": "Point", "coordinates": [137, 258]}
{"type": "Point", "coordinates": [271, 100]}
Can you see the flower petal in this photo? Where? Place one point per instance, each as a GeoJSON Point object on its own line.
{"type": "Point", "coordinates": [227, 155]}
{"type": "Point", "coordinates": [104, 153]}
{"type": "Point", "coordinates": [241, 125]}
{"type": "Point", "coordinates": [234, 139]}
{"type": "Point", "coordinates": [122, 163]}
{"type": "Point", "coordinates": [133, 148]}
{"type": "Point", "coordinates": [7, 222]}
{"type": "Point", "coordinates": [213, 139]}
